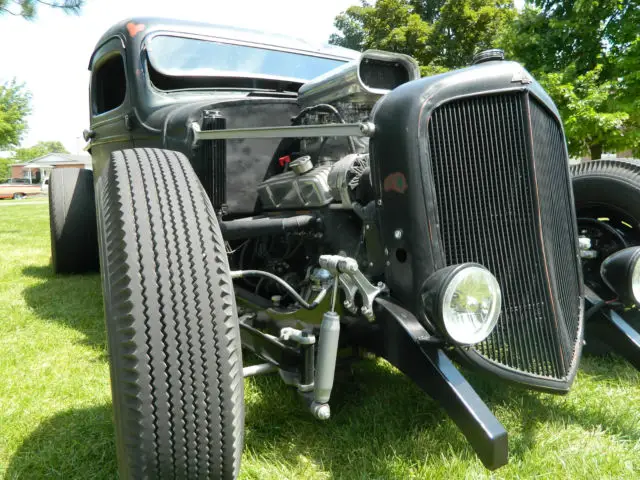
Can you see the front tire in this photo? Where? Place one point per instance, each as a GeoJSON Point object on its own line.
{"type": "Point", "coordinates": [174, 340]}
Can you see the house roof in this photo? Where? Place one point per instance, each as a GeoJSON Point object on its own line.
{"type": "Point", "coordinates": [52, 159]}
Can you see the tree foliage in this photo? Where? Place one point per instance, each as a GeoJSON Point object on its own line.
{"type": "Point", "coordinates": [38, 150]}
{"type": "Point", "coordinates": [28, 8]}
{"type": "Point", "coordinates": [5, 169]}
{"type": "Point", "coordinates": [14, 109]}
{"type": "Point", "coordinates": [585, 102]}
{"type": "Point", "coordinates": [439, 34]}
{"type": "Point", "coordinates": [586, 53]}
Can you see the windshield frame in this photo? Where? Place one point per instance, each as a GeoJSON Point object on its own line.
{"type": "Point", "coordinates": [145, 50]}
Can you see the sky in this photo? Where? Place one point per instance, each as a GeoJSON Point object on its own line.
{"type": "Point", "coordinates": [51, 54]}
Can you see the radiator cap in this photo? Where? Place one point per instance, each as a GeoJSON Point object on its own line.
{"type": "Point", "coordinates": [495, 54]}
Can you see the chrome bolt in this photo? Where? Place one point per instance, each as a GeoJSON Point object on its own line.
{"type": "Point", "coordinates": [397, 234]}
{"type": "Point", "coordinates": [349, 306]}
{"type": "Point", "coordinates": [367, 128]}
{"type": "Point", "coordinates": [379, 203]}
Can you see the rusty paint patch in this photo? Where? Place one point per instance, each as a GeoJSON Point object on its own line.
{"type": "Point", "coordinates": [395, 182]}
{"type": "Point", "coordinates": [134, 29]}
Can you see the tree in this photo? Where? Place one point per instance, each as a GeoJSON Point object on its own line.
{"type": "Point", "coordinates": [465, 27]}
{"type": "Point", "coordinates": [439, 34]}
{"type": "Point", "coordinates": [5, 169]}
{"type": "Point", "coordinates": [28, 8]}
{"type": "Point", "coordinates": [587, 54]}
{"type": "Point", "coordinates": [591, 120]}
{"type": "Point", "coordinates": [38, 150]}
{"type": "Point", "coordinates": [14, 109]}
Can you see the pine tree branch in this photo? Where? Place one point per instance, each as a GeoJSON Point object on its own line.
{"type": "Point", "coordinates": [6, 10]}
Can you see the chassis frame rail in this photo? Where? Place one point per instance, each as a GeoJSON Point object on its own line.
{"type": "Point", "coordinates": [271, 349]}
{"type": "Point", "coordinates": [610, 328]}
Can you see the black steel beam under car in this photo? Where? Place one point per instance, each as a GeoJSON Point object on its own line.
{"type": "Point", "coordinates": [403, 341]}
{"type": "Point", "coordinates": [271, 349]}
{"type": "Point", "coordinates": [609, 327]}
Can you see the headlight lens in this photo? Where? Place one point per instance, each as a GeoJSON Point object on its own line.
{"type": "Point", "coordinates": [471, 304]}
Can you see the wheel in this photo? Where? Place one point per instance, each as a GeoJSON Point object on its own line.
{"type": "Point", "coordinates": [18, 196]}
{"type": "Point", "coordinates": [607, 198]}
{"type": "Point", "coordinates": [72, 221]}
{"type": "Point", "coordinates": [608, 192]}
{"type": "Point", "coordinates": [172, 328]}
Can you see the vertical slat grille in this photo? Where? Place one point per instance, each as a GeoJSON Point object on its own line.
{"type": "Point", "coordinates": [215, 152]}
{"type": "Point", "coordinates": [488, 192]}
{"type": "Point", "coordinates": [557, 222]}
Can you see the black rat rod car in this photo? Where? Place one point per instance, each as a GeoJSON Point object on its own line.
{"type": "Point", "coordinates": [308, 203]}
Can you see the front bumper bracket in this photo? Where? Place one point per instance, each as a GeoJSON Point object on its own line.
{"type": "Point", "coordinates": [403, 341]}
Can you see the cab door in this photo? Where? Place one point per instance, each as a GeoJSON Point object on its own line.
{"type": "Point", "coordinates": [109, 100]}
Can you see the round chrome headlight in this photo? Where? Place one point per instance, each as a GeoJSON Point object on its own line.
{"type": "Point", "coordinates": [471, 304]}
{"type": "Point", "coordinates": [463, 301]}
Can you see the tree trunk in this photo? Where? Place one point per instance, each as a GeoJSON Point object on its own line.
{"type": "Point", "coordinates": [596, 152]}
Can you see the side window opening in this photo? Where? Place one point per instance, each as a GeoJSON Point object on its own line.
{"type": "Point", "coordinates": [110, 85]}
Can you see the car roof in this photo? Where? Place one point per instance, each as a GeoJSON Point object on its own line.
{"type": "Point", "coordinates": [129, 28]}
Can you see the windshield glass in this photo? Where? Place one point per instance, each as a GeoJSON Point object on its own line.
{"type": "Point", "coordinates": [189, 56]}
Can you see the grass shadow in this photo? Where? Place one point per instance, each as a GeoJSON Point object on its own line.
{"type": "Point", "coordinates": [581, 407]}
{"type": "Point", "coordinates": [75, 444]}
{"type": "Point", "coordinates": [381, 425]}
{"type": "Point", "coordinates": [381, 420]}
{"type": "Point", "coordinates": [74, 301]}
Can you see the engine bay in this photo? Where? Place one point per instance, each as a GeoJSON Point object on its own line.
{"type": "Point", "coordinates": [328, 176]}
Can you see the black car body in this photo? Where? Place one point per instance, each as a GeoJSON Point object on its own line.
{"type": "Point", "coordinates": [410, 178]}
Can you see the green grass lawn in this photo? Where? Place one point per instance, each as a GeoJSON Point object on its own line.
{"type": "Point", "coordinates": [55, 407]}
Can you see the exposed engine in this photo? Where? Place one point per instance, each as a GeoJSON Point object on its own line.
{"type": "Point", "coordinates": [332, 169]}
{"type": "Point", "coordinates": [328, 175]}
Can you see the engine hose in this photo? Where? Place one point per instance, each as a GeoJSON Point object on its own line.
{"type": "Point", "coordinates": [260, 273]}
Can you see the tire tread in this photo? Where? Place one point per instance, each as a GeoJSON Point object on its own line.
{"type": "Point", "coordinates": [170, 300]}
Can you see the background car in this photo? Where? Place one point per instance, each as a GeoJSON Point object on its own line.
{"type": "Point", "coordinates": [18, 188]}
